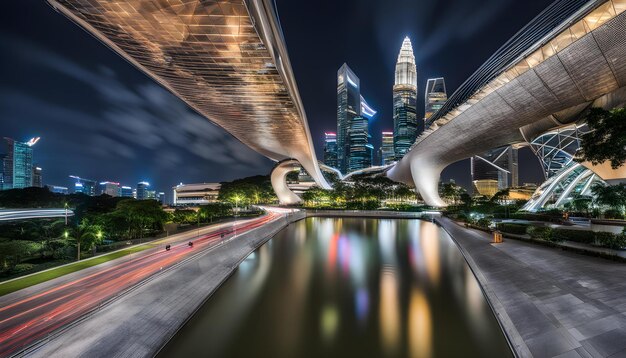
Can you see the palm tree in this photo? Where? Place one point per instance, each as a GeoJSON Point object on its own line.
{"type": "Point", "coordinates": [84, 234]}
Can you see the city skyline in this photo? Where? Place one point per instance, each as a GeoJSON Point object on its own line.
{"type": "Point", "coordinates": [56, 116]}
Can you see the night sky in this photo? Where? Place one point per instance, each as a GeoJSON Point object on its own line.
{"type": "Point", "coordinates": [100, 118]}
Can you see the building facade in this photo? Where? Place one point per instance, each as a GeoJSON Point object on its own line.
{"type": "Point", "coordinates": [110, 188]}
{"type": "Point", "coordinates": [57, 189]}
{"type": "Point", "coordinates": [494, 170]}
{"type": "Point", "coordinates": [348, 108]}
{"type": "Point", "coordinates": [435, 96]}
{"type": "Point", "coordinates": [195, 194]}
{"type": "Point", "coordinates": [361, 152]}
{"type": "Point", "coordinates": [330, 149]}
{"type": "Point", "coordinates": [126, 192]}
{"type": "Point", "coordinates": [143, 191]}
{"type": "Point", "coordinates": [387, 154]}
{"type": "Point", "coordinates": [17, 164]}
{"type": "Point", "coordinates": [406, 126]}
{"type": "Point", "coordinates": [37, 177]}
{"type": "Point", "coordinates": [84, 186]}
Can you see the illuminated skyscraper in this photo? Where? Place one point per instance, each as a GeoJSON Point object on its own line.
{"type": "Point", "coordinates": [17, 166]}
{"type": "Point", "coordinates": [435, 96]}
{"type": "Point", "coordinates": [406, 126]}
{"type": "Point", "coordinates": [386, 149]}
{"type": "Point", "coordinates": [348, 108]}
{"type": "Point", "coordinates": [361, 151]}
{"type": "Point", "coordinates": [143, 191]}
{"type": "Point", "coordinates": [330, 149]}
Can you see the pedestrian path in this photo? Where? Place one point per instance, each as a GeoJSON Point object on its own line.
{"type": "Point", "coordinates": [551, 303]}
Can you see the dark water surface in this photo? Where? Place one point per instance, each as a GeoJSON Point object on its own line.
{"type": "Point", "coordinates": [352, 287]}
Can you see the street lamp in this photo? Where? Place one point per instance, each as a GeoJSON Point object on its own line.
{"type": "Point", "coordinates": [66, 234]}
{"type": "Point", "coordinates": [65, 214]}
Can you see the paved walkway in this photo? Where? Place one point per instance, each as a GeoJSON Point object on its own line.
{"type": "Point", "coordinates": [552, 303]}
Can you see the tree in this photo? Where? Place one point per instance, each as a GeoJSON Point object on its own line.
{"type": "Point", "coordinates": [131, 218]}
{"type": "Point", "coordinates": [14, 251]}
{"type": "Point", "coordinates": [581, 204]}
{"type": "Point", "coordinates": [612, 196]}
{"type": "Point", "coordinates": [606, 139]}
{"type": "Point", "coordinates": [84, 234]}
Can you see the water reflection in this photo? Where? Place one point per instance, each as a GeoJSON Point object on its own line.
{"type": "Point", "coordinates": [343, 288]}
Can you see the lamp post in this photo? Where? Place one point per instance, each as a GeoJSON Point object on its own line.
{"type": "Point", "coordinates": [65, 214]}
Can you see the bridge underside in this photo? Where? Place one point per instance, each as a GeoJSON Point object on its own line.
{"type": "Point", "coordinates": [226, 59]}
{"type": "Point", "coordinates": [589, 71]}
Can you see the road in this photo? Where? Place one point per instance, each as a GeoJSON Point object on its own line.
{"type": "Point", "coordinates": [29, 318]}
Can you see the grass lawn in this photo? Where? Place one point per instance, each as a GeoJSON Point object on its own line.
{"type": "Point", "coordinates": [20, 283]}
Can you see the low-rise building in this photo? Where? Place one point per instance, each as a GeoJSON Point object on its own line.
{"type": "Point", "coordinates": [195, 194]}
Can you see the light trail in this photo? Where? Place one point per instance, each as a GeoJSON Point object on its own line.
{"type": "Point", "coordinates": [28, 320]}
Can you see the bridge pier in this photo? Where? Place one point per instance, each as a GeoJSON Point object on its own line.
{"type": "Point", "coordinates": [279, 181]}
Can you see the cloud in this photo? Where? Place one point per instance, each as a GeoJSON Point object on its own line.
{"type": "Point", "coordinates": [141, 123]}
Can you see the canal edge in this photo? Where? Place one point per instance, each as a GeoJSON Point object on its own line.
{"type": "Point", "coordinates": [514, 339]}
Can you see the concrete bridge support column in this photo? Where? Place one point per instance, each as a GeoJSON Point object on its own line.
{"type": "Point", "coordinates": [279, 181]}
{"type": "Point", "coordinates": [426, 178]}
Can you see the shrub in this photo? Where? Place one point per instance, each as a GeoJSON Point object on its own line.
{"type": "Point", "coordinates": [582, 236]}
{"type": "Point", "coordinates": [518, 229]}
{"type": "Point", "coordinates": [483, 222]}
{"type": "Point", "coordinates": [613, 214]}
{"type": "Point", "coordinates": [22, 268]}
{"type": "Point", "coordinates": [610, 240]}
{"type": "Point", "coordinates": [543, 233]}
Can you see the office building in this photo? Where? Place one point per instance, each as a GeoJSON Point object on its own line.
{"type": "Point", "coordinates": [143, 189]}
{"type": "Point", "coordinates": [17, 164]}
{"type": "Point", "coordinates": [126, 192]}
{"type": "Point", "coordinates": [84, 186]}
{"type": "Point", "coordinates": [57, 189]}
{"type": "Point", "coordinates": [110, 188]}
{"type": "Point", "coordinates": [360, 151]}
{"type": "Point", "coordinates": [37, 177]}
{"type": "Point", "coordinates": [348, 108]}
{"type": "Point", "coordinates": [435, 96]}
{"type": "Point", "coordinates": [406, 126]}
{"type": "Point", "coordinates": [330, 149]}
{"type": "Point", "coordinates": [494, 170]}
{"type": "Point", "coordinates": [195, 194]}
{"type": "Point", "coordinates": [387, 155]}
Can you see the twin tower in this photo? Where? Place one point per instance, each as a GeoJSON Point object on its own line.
{"type": "Point", "coordinates": [351, 144]}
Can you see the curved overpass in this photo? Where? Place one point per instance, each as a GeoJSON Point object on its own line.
{"type": "Point", "coordinates": [226, 59]}
{"type": "Point", "coordinates": [572, 56]}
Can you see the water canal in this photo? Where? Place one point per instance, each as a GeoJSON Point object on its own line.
{"type": "Point", "coordinates": [351, 287]}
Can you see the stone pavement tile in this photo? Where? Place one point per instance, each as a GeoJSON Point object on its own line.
{"type": "Point", "coordinates": [620, 354]}
{"type": "Point", "coordinates": [551, 343]}
{"type": "Point", "coordinates": [608, 343]}
{"type": "Point", "coordinates": [570, 354]}
{"type": "Point", "coordinates": [579, 314]}
{"type": "Point", "coordinates": [528, 320]}
{"type": "Point", "coordinates": [560, 302]}
{"type": "Point", "coordinates": [599, 326]}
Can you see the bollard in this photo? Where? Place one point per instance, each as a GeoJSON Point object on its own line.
{"type": "Point", "coordinates": [497, 237]}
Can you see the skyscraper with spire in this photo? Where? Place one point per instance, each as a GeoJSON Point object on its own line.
{"type": "Point", "coordinates": [405, 123]}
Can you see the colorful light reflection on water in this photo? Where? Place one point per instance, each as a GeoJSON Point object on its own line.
{"type": "Point", "coordinates": [347, 287]}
